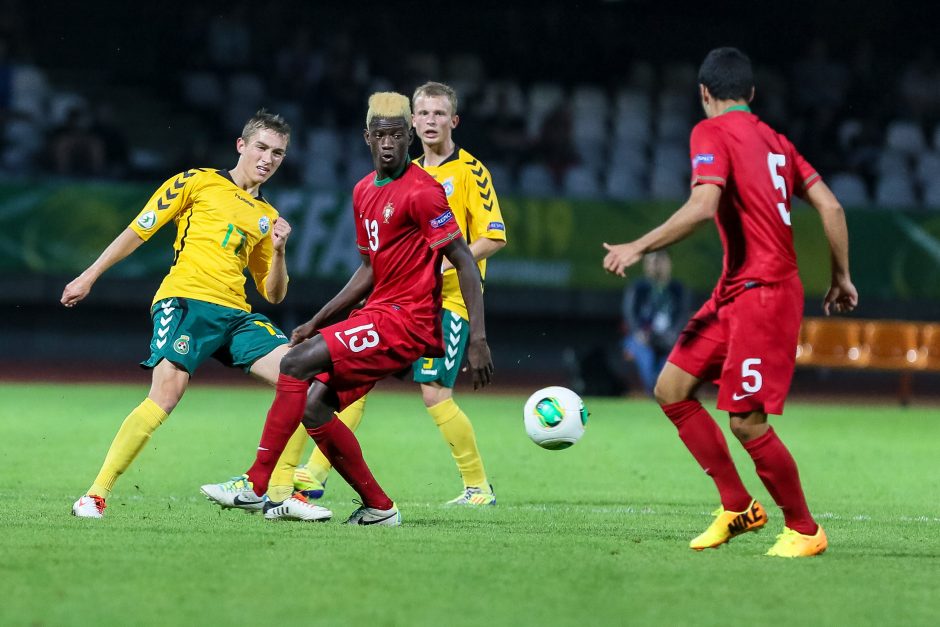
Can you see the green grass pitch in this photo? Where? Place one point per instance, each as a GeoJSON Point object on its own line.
{"type": "Point", "coordinates": [593, 535]}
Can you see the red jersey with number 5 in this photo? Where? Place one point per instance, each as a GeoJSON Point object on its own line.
{"type": "Point", "coordinates": [402, 223]}
{"type": "Point", "coordinates": [759, 171]}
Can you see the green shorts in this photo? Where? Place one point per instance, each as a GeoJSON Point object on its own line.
{"type": "Point", "coordinates": [186, 332]}
{"type": "Point", "coordinates": [444, 370]}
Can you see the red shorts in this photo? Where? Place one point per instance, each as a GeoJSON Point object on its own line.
{"type": "Point", "coordinates": [746, 346]}
{"type": "Point", "coordinates": [367, 347]}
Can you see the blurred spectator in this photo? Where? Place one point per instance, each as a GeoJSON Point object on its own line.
{"type": "Point", "coordinates": [654, 312]}
{"type": "Point", "coordinates": [920, 86]}
{"type": "Point", "coordinates": [503, 127]}
{"type": "Point", "coordinates": [555, 145]}
{"type": "Point", "coordinates": [116, 152]}
{"type": "Point", "coordinates": [229, 37]}
{"type": "Point", "coordinates": [74, 148]}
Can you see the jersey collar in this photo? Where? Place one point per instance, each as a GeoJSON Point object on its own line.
{"type": "Point", "coordinates": [388, 179]}
{"type": "Point", "coordinates": [227, 175]}
{"type": "Point", "coordinates": [454, 156]}
{"type": "Point", "coordinates": [743, 107]}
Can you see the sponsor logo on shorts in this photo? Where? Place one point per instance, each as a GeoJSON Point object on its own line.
{"type": "Point", "coordinates": [704, 157]}
{"type": "Point", "coordinates": [442, 219]}
{"type": "Point", "coordinates": [181, 345]}
{"type": "Point", "coordinates": [738, 397]}
{"type": "Point", "coordinates": [147, 220]}
{"type": "Point", "coordinates": [432, 373]}
{"type": "Point", "coordinates": [448, 186]}
{"type": "Point", "coordinates": [496, 226]}
{"type": "Point", "coordinates": [264, 225]}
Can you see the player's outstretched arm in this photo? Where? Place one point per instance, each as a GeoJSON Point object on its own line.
{"type": "Point", "coordinates": [122, 246]}
{"type": "Point", "coordinates": [842, 296]}
{"type": "Point", "coordinates": [700, 207]}
{"type": "Point", "coordinates": [471, 288]}
{"type": "Point", "coordinates": [275, 285]}
{"type": "Point", "coordinates": [357, 288]}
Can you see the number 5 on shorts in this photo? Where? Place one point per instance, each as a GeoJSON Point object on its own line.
{"type": "Point", "coordinates": [748, 372]}
{"type": "Point", "coordinates": [359, 341]}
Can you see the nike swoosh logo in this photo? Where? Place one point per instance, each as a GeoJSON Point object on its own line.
{"type": "Point", "coordinates": [738, 397]}
{"type": "Point", "coordinates": [375, 522]}
{"type": "Point", "coordinates": [238, 501]}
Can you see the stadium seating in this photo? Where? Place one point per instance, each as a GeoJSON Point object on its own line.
{"type": "Point", "coordinates": [888, 345]}
{"type": "Point", "coordinates": [929, 347]}
{"type": "Point", "coordinates": [833, 343]}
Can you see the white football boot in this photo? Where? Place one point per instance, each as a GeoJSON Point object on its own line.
{"type": "Point", "coordinates": [89, 506]}
{"type": "Point", "coordinates": [295, 507]}
{"type": "Point", "coordinates": [235, 493]}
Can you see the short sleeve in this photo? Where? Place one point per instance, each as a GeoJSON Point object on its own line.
{"type": "Point", "coordinates": [805, 174]}
{"type": "Point", "coordinates": [485, 219]}
{"type": "Point", "coordinates": [167, 202]}
{"type": "Point", "coordinates": [710, 161]}
{"type": "Point", "coordinates": [362, 238]}
{"type": "Point", "coordinates": [434, 216]}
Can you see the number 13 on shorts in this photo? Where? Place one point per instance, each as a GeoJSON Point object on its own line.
{"type": "Point", "coordinates": [358, 339]}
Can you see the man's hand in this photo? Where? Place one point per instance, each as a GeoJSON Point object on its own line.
{"type": "Point", "coordinates": [621, 256]}
{"type": "Point", "coordinates": [75, 292]}
{"type": "Point", "coordinates": [842, 296]}
{"type": "Point", "coordinates": [279, 234]}
{"type": "Point", "coordinates": [480, 362]}
{"type": "Point", "coordinates": [303, 332]}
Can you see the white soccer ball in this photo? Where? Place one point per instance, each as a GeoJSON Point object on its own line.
{"type": "Point", "coordinates": [555, 417]}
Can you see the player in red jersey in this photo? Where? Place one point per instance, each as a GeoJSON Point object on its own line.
{"type": "Point", "coordinates": [403, 227]}
{"type": "Point", "coordinates": [744, 338]}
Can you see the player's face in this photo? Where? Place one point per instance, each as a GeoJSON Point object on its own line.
{"type": "Point", "coordinates": [434, 119]}
{"type": "Point", "coordinates": [388, 139]}
{"type": "Point", "coordinates": [261, 154]}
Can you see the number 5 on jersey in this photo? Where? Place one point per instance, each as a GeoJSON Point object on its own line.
{"type": "Point", "coordinates": [357, 339]}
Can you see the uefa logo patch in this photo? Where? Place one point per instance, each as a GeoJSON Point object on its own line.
{"type": "Point", "coordinates": [147, 220]}
{"type": "Point", "coordinates": [264, 225]}
{"type": "Point", "coordinates": [442, 219]}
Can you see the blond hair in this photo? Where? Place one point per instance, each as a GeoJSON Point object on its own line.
{"type": "Point", "coordinates": [432, 89]}
{"type": "Point", "coordinates": [389, 104]}
{"type": "Point", "coordinates": [265, 120]}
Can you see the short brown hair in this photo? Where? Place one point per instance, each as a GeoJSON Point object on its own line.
{"type": "Point", "coordinates": [265, 120]}
{"type": "Point", "coordinates": [432, 88]}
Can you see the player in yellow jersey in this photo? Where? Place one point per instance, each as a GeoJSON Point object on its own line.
{"type": "Point", "coordinates": [224, 225]}
{"type": "Point", "coordinates": [471, 197]}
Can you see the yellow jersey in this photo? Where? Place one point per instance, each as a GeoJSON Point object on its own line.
{"type": "Point", "coordinates": [469, 189]}
{"type": "Point", "coordinates": [220, 230]}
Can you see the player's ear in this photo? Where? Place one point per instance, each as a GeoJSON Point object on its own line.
{"type": "Point", "coordinates": [365, 136]}
{"type": "Point", "coordinates": [751, 96]}
{"type": "Point", "coordinates": [411, 135]}
{"type": "Point", "coordinates": [240, 145]}
{"type": "Point", "coordinates": [454, 121]}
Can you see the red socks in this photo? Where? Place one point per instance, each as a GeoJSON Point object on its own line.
{"type": "Point", "coordinates": [776, 468]}
{"type": "Point", "coordinates": [341, 448]}
{"type": "Point", "coordinates": [704, 439]}
{"type": "Point", "coordinates": [287, 410]}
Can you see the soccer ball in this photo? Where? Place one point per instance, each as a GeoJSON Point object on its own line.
{"type": "Point", "coordinates": [555, 417]}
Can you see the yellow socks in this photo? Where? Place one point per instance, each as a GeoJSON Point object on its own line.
{"type": "Point", "coordinates": [318, 465]}
{"type": "Point", "coordinates": [130, 439]}
{"type": "Point", "coordinates": [458, 433]}
{"type": "Point", "coordinates": [281, 486]}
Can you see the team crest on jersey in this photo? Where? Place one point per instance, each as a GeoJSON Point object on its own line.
{"type": "Point", "coordinates": [264, 224]}
{"type": "Point", "coordinates": [448, 185]}
{"type": "Point", "coordinates": [387, 212]}
{"type": "Point", "coordinates": [147, 220]}
{"type": "Point", "coordinates": [181, 345]}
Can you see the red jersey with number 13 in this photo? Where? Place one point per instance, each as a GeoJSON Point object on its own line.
{"type": "Point", "coordinates": [759, 171]}
{"type": "Point", "coordinates": [402, 224]}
